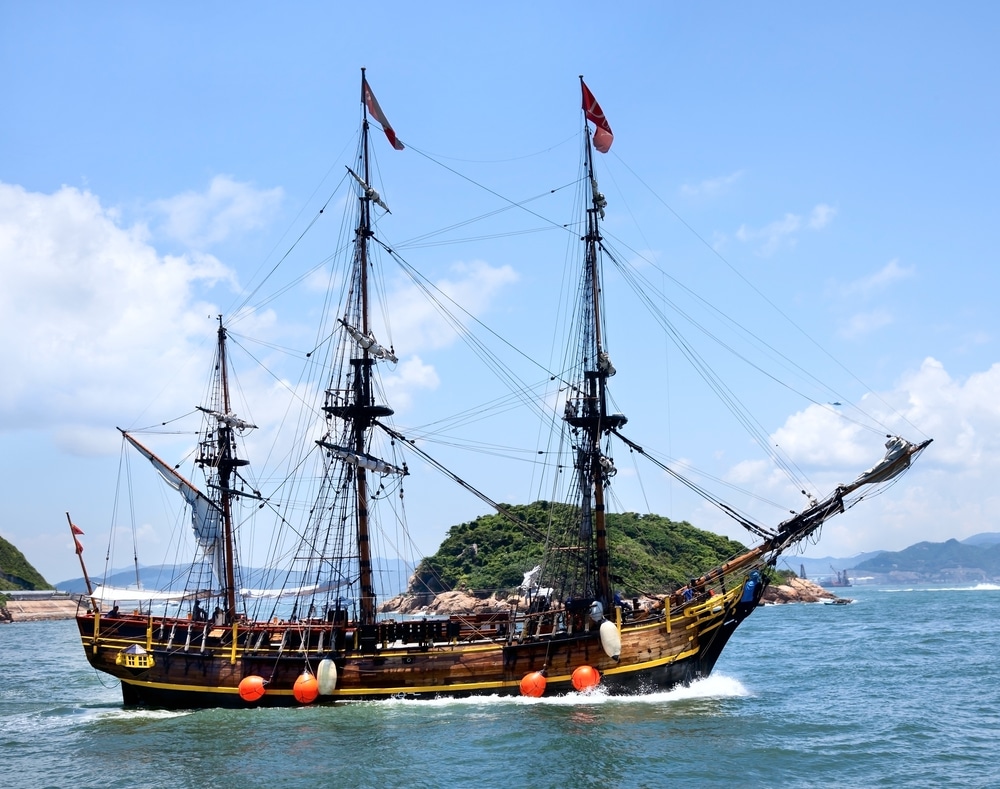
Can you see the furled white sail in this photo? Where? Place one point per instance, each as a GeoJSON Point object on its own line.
{"type": "Point", "coordinates": [231, 420]}
{"type": "Point", "coordinates": [296, 591]}
{"type": "Point", "coordinates": [362, 460]}
{"type": "Point", "coordinates": [369, 343]}
{"type": "Point", "coordinates": [897, 459]}
{"type": "Point", "coordinates": [122, 594]}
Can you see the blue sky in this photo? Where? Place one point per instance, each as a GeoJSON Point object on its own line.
{"type": "Point", "coordinates": [841, 160]}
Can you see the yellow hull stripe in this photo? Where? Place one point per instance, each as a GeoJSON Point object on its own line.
{"type": "Point", "coordinates": [411, 689]}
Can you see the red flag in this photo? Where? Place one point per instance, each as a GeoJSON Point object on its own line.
{"type": "Point", "coordinates": [369, 99]}
{"type": "Point", "coordinates": [76, 529]}
{"type": "Point", "coordinates": [603, 137]}
{"type": "Point", "coordinates": [79, 547]}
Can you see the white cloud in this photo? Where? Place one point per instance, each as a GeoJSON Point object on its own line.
{"type": "Point", "coordinates": [411, 374]}
{"type": "Point", "coordinates": [472, 285]}
{"type": "Point", "coordinates": [228, 207]}
{"type": "Point", "coordinates": [864, 323]}
{"type": "Point", "coordinates": [861, 324]}
{"type": "Point", "coordinates": [785, 232]}
{"type": "Point", "coordinates": [98, 324]}
{"type": "Point", "coordinates": [890, 273]}
{"type": "Point", "coordinates": [948, 493]}
{"type": "Point", "coordinates": [711, 187]}
{"type": "Point", "coordinates": [772, 236]}
{"type": "Point", "coordinates": [821, 216]}
{"type": "Point", "coordinates": [91, 314]}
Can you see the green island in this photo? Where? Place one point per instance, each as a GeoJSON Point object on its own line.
{"type": "Point", "coordinates": [654, 554]}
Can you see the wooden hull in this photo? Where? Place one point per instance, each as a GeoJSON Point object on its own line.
{"type": "Point", "coordinates": [176, 663]}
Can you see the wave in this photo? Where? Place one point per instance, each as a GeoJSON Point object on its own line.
{"type": "Point", "coordinates": [980, 587]}
{"type": "Point", "coordinates": [140, 714]}
{"type": "Point", "coordinates": [716, 686]}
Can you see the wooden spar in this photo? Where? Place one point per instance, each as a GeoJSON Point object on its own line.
{"type": "Point", "coordinates": [225, 475]}
{"type": "Point", "coordinates": [363, 392]}
{"type": "Point", "coordinates": [79, 555]}
{"type": "Point", "coordinates": [599, 381]}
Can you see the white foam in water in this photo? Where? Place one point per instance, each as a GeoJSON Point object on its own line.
{"type": "Point", "coordinates": [716, 686]}
{"type": "Point", "coordinates": [140, 714]}
{"type": "Point", "coordinates": [981, 587]}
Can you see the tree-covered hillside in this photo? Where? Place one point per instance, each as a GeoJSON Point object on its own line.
{"type": "Point", "coordinates": [652, 554]}
{"type": "Point", "coordinates": [16, 572]}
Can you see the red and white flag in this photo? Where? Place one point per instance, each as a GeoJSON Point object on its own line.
{"type": "Point", "coordinates": [76, 529]}
{"type": "Point", "coordinates": [603, 136]}
{"type": "Point", "coordinates": [376, 111]}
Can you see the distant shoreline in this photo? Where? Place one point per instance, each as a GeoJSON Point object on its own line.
{"type": "Point", "coordinates": [61, 606]}
{"type": "Point", "coordinates": [57, 606]}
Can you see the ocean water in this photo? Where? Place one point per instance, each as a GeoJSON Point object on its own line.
{"type": "Point", "coordinates": [899, 689]}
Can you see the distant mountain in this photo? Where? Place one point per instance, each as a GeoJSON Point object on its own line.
{"type": "Point", "coordinates": [391, 578]}
{"type": "Point", "coordinates": [951, 560]}
{"type": "Point", "coordinates": [974, 558]}
{"type": "Point", "coordinates": [825, 567]}
{"type": "Point", "coordinates": [983, 538]}
{"type": "Point", "coordinates": [16, 572]}
{"type": "Point", "coordinates": [969, 559]}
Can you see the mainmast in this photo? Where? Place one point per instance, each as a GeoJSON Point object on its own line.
{"type": "Point", "coordinates": [358, 407]}
{"type": "Point", "coordinates": [590, 412]}
{"type": "Point", "coordinates": [364, 399]}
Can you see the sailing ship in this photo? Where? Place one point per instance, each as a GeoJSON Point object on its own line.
{"type": "Point", "coordinates": [309, 628]}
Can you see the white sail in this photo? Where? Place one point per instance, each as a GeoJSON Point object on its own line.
{"type": "Point", "coordinates": [206, 518]}
{"type": "Point", "coordinates": [895, 462]}
{"type": "Point", "coordinates": [370, 193]}
{"type": "Point", "coordinates": [362, 460]}
{"type": "Point", "coordinates": [295, 591]}
{"type": "Point", "coordinates": [123, 594]}
{"type": "Point", "coordinates": [230, 420]}
{"type": "Point", "coordinates": [369, 343]}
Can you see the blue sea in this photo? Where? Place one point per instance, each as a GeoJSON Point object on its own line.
{"type": "Point", "coordinates": [899, 689]}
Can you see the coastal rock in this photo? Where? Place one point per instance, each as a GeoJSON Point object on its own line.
{"type": "Point", "coordinates": [446, 603]}
{"type": "Point", "coordinates": [797, 590]}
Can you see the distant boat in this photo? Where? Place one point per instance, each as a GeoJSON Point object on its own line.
{"type": "Point", "coordinates": [840, 579]}
{"type": "Point", "coordinates": [313, 632]}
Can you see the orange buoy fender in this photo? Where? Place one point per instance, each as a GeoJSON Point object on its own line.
{"type": "Point", "coordinates": [326, 676]}
{"type": "Point", "coordinates": [611, 639]}
{"type": "Point", "coordinates": [252, 688]}
{"type": "Point", "coordinates": [306, 688]}
{"type": "Point", "coordinates": [533, 684]}
{"type": "Point", "coordinates": [586, 678]}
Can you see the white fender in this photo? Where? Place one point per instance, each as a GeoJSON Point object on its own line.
{"type": "Point", "coordinates": [611, 639]}
{"type": "Point", "coordinates": [326, 676]}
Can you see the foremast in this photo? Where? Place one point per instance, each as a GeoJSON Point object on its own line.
{"type": "Point", "coordinates": [212, 520]}
{"type": "Point", "coordinates": [217, 454]}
